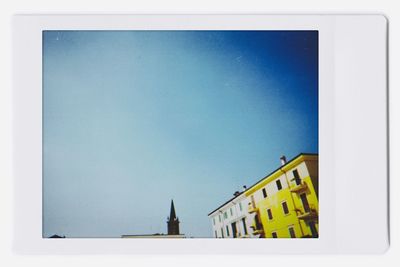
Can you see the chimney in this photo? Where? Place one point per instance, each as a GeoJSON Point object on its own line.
{"type": "Point", "coordinates": [283, 160]}
{"type": "Point", "coordinates": [244, 188]}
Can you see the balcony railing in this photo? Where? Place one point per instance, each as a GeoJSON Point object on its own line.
{"type": "Point", "coordinates": [299, 188]}
{"type": "Point", "coordinates": [311, 214]}
{"type": "Point", "coordinates": [257, 230]}
{"type": "Point", "coordinates": [252, 208]}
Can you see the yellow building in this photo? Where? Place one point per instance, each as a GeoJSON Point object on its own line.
{"type": "Point", "coordinates": [285, 203]}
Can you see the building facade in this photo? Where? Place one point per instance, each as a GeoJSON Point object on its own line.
{"type": "Point", "coordinates": [231, 219]}
{"type": "Point", "coordinates": [285, 203]}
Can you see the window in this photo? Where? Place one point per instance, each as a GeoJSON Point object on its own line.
{"type": "Point", "coordinates": [296, 178]}
{"type": "Point", "coordinates": [313, 228]}
{"type": "Point", "coordinates": [292, 233]}
{"type": "Point", "coordinates": [269, 214]}
{"type": "Point", "coordinates": [257, 221]}
{"type": "Point", "coordinates": [234, 230]}
{"type": "Point", "coordinates": [219, 217]}
{"type": "Point", "coordinates": [252, 202]}
{"type": "Point", "coordinates": [222, 233]}
{"type": "Point", "coordinates": [215, 232]}
{"type": "Point", "coordinates": [231, 211]}
{"type": "Point", "coordinates": [225, 215]}
{"type": "Point", "coordinates": [304, 200]}
{"type": "Point", "coordinates": [278, 184]}
{"type": "Point", "coordinates": [244, 225]}
{"type": "Point", "coordinates": [227, 230]}
{"type": "Point", "coordinates": [285, 208]}
{"type": "Point", "coordinates": [213, 220]}
{"type": "Point", "coordinates": [240, 206]}
{"type": "Point", "coordinates": [274, 235]}
{"type": "Point", "coordinates": [264, 192]}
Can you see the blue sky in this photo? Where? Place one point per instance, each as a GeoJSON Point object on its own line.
{"type": "Point", "coordinates": [133, 119]}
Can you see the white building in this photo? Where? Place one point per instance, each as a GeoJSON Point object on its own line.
{"type": "Point", "coordinates": [232, 219]}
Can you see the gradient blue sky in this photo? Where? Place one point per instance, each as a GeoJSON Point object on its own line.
{"type": "Point", "coordinates": [133, 119]}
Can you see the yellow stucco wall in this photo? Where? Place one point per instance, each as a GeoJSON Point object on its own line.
{"type": "Point", "coordinates": [307, 166]}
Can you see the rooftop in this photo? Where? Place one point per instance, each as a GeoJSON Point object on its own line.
{"type": "Point", "coordinates": [265, 177]}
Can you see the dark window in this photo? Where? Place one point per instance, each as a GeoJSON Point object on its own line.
{"type": "Point", "coordinates": [222, 233]}
{"type": "Point", "coordinates": [278, 184]}
{"type": "Point", "coordinates": [216, 234]}
{"type": "Point", "coordinates": [269, 214]}
{"type": "Point", "coordinates": [296, 177]}
{"type": "Point", "coordinates": [264, 192]}
{"type": "Point", "coordinates": [292, 233]}
{"type": "Point", "coordinates": [304, 200]}
{"type": "Point", "coordinates": [227, 230]}
{"type": "Point", "coordinates": [285, 208]}
{"type": "Point", "coordinates": [234, 230]}
{"type": "Point", "coordinates": [274, 235]}
{"type": "Point", "coordinates": [244, 225]}
{"type": "Point", "coordinates": [257, 221]}
{"type": "Point", "coordinates": [314, 232]}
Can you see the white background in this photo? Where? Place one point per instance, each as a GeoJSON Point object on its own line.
{"type": "Point", "coordinates": [349, 7]}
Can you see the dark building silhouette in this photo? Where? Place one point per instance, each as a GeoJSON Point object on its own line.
{"type": "Point", "coordinates": [173, 221]}
{"type": "Point", "coordinates": [57, 236]}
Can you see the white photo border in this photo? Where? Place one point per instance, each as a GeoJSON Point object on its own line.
{"type": "Point", "coordinates": [353, 154]}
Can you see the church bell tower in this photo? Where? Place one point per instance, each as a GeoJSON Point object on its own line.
{"type": "Point", "coordinates": [173, 221]}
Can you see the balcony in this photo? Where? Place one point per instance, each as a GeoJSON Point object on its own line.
{"type": "Point", "coordinates": [311, 214]}
{"type": "Point", "coordinates": [257, 230]}
{"type": "Point", "coordinates": [299, 188]}
{"type": "Point", "coordinates": [257, 227]}
{"type": "Point", "coordinates": [252, 208]}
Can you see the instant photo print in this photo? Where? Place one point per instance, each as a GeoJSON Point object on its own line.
{"type": "Point", "coordinates": [200, 134]}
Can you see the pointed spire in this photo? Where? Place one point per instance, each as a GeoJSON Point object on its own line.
{"type": "Point", "coordinates": [173, 221]}
{"type": "Point", "coordinates": [172, 215]}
